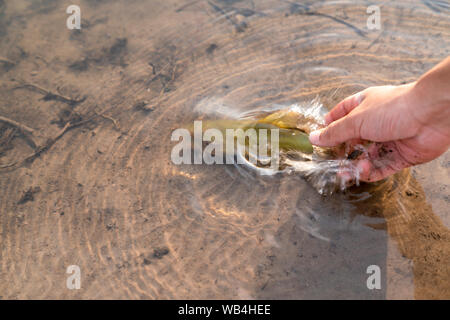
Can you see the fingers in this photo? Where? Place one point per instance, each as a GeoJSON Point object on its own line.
{"type": "Point", "coordinates": [368, 172]}
{"type": "Point", "coordinates": [337, 132]}
{"type": "Point", "coordinates": [380, 165]}
{"type": "Point", "coordinates": [340, 127]}
{"type": "Point", "coordinates": [344, 107]}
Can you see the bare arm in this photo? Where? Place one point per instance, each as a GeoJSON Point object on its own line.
{"type": "Point", "coordinates": [410, 123]}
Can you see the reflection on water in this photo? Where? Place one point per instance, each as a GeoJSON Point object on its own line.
{"type": "Point", "coordinates": [105, 195]}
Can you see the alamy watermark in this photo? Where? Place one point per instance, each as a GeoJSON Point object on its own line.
{"type": "Point", "coordinates": [258, 145]}
{"type": "Point", "coordinates": [374, 20]}
{"type": "Point", "coordinates": [374, 280]}
{"type": "Point", "coordinates": [74, 20]}
{"type": "Point", "coordinates": [74, 280]}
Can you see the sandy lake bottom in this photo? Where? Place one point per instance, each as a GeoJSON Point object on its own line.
{"type": "Point", "coordinates": [104, 195]}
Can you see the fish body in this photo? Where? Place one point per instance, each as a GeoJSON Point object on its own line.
{"type": "Point", "coordinates": [293, 129]}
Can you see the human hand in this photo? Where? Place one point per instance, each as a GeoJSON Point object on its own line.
{"type": "Point", "coordinates": [408, 128]}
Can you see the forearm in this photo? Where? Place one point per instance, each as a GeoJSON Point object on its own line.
{"type": "Point", "coordinates": [430, 96]}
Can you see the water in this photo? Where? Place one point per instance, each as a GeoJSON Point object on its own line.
{"type": "Point", "coordinates": [106, 196]}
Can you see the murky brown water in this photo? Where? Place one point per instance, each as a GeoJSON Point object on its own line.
{"type": "Point", "coordinates": [105, 195]}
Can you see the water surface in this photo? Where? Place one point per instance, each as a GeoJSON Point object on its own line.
{"type": "Point", "coordinates": [106, 196]}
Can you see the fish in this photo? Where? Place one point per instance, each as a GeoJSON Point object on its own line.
{"type": "Point", "coordinates": [320, 166]}
{"type": "Point", "coordinates": [292, 127]}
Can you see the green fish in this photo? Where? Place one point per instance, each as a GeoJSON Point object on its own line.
{"type": "Point", "coordinates": [292, 134]}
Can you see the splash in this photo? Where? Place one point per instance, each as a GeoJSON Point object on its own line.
{"type": "Point", "coordinates": [328, 170]}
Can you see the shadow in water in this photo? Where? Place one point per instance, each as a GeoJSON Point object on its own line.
{"type": "Point", "coordinates": [417, 232]}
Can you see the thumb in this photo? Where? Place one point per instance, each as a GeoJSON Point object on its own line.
{"type": "Point", "coordinates": [337, 132]}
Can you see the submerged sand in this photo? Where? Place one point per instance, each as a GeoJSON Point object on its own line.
{"type": "Point", "coordinates": [93, 185]}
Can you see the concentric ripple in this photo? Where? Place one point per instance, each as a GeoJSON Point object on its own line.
{"type": "Point", "coordinates": [138, 226]}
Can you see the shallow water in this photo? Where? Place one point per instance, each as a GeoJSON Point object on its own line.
{"type": "Point", "coordinates": [106, 196]}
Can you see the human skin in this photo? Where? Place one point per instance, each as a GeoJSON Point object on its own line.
{"type": "Point", "coordinates": [410, 123]}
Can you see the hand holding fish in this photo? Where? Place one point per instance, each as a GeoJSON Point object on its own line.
{"type": "Point", "coordinates": [410, 124]}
